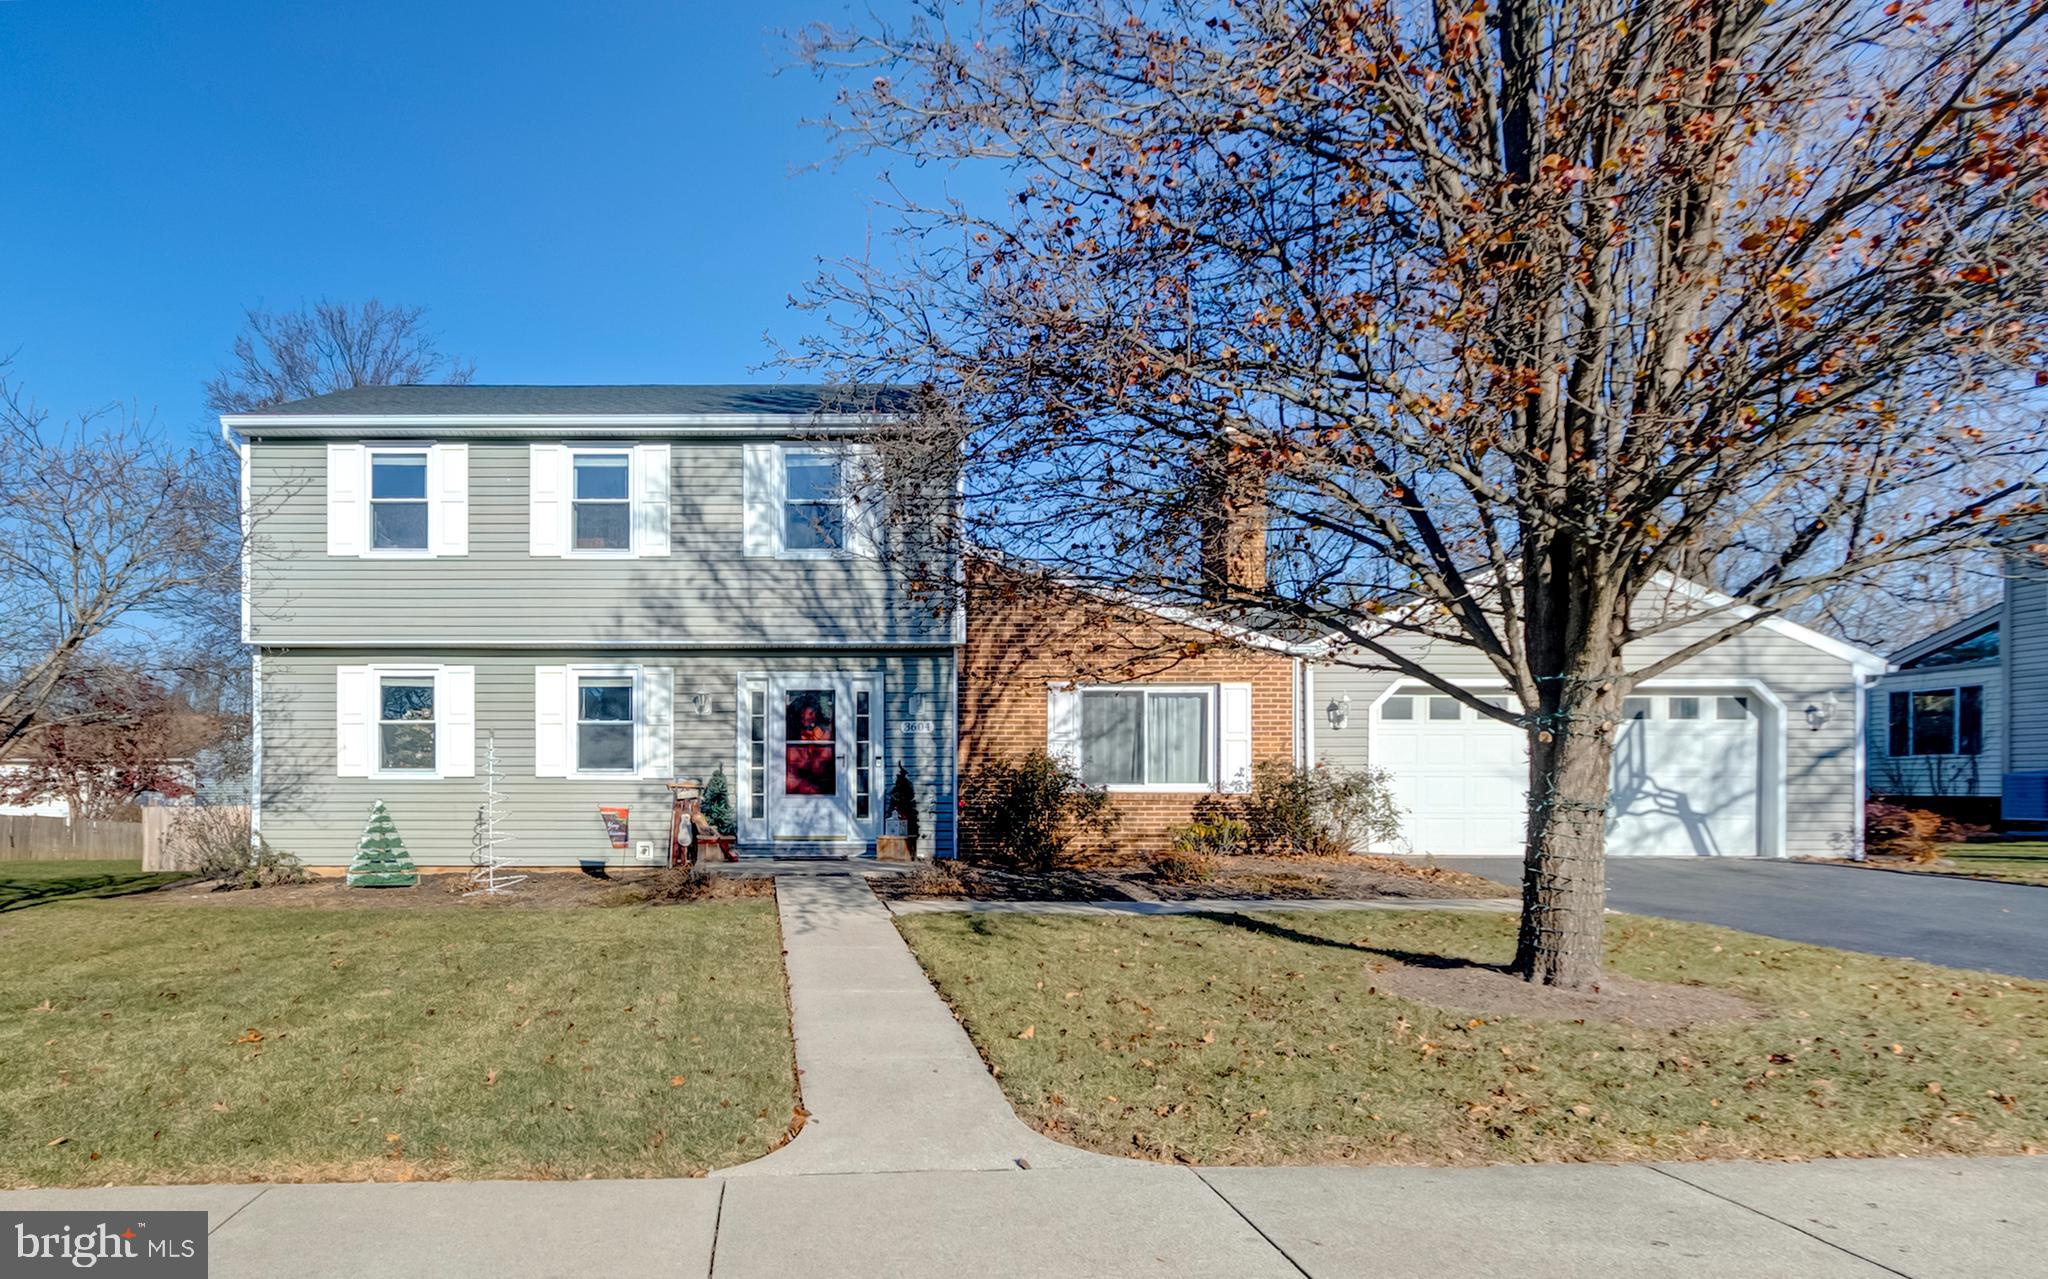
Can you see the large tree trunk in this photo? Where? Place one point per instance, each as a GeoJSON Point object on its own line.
{"type": "Point", "coordinates": [1573, 640]}
{"type": "Point", "coordinates": [1564, 867]}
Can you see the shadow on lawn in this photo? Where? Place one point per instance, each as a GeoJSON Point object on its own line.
{"type": "Point", "coordinates": [1412, 958]}
{"type": "Point", "coordinates": [21, 894]}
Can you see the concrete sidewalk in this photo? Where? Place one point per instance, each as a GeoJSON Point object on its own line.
{"type": "Point", "coordinates": [1926, 1218]}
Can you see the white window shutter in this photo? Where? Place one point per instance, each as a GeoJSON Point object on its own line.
{"type": "Point", "coordinates": [1234, 738]}
{"type": "Point", "coordinates": [455, 721]}
{"type": "Point", "coordinates": [546, 503]}
{"type": "Point", "coordinates": [450, 520]}
{"type": "Point", "coordinates": [346, 515]}
{"type": "Point", "coordinates": [761, 467]}
{"type": "Point", "coordinates": [654, 718]}
{"type": "Point", "coordinates": [651, 511]}
{"type": "Point", "coordinates": [865, 508]}
{"type": "Point", "coordinates": [1063, 726]}
{"type": "Point", "coordinates": [355, 721]}
{"type": "Point", "coordinates": [550, 721]}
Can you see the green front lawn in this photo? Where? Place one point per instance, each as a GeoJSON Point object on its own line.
{"type": "Point", "coordinates": [149, 1042]}
{"type": "Point", "coordinates": [1265, 1042]}
{"type": "Point", "coordinates": [2024, 861]}
{"type": "Point", "coordinates": [24, 884]}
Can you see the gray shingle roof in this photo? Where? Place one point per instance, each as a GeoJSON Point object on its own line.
{"type": "Point", "coordinates": [795, 399]}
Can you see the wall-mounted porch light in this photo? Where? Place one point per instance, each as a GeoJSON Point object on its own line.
{"type": "Point", "coordinates": [1339, 710]}
{"type": "Point", "coordinates": [701, 699]}
{"type": "Point", "coordinates": [1819, 714]}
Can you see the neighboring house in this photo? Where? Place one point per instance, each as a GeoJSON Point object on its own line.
{"type": "Point", "coordinates": [1959, 726]}
{"type": "Point", "coordinates": [618, 585]}
{"type": "Point", "coordinates": [1159, 708]}
{"type": "Point", "coordinates": [1937, 722]}
{"type": "Point", "coordinates": [1751, 748]}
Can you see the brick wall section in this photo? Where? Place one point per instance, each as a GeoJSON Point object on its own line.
{"type": "Point", "coordinates": [1023, 636]}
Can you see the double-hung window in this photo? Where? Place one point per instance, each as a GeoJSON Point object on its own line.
{"type": "Point", "coordinates": [813, 502]}
{"type": "Point", "coordinates": [601, 506]}
{"type": "Point", "coordinates": [1936, 721]}
{"type": "Point", "coordinates": [398, 499]}
{"type": "Point", "coordinates": [405, 723]}
{"type": "Point", "coordinates": [1134, 737]}
{"type": "Point", "coordinates": [604, 724]}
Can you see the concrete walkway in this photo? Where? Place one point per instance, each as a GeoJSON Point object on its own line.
{"type": "Point", "coordinates": [891, 1081]}
{"type": "Point", "coordinates": [1206, 906]}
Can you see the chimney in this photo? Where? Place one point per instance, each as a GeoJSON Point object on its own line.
{"type": "Point", "coordinates": [1233, 550]}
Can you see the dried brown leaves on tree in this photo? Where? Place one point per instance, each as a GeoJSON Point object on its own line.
{"type": "Point", "coordinates": [1508, 313]}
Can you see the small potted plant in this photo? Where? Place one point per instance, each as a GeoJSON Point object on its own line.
{"type": "Point", "coordinates": [717, 809]}
{"type": "Point", "coordinates": [902, 807]}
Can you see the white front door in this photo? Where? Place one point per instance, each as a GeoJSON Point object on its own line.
{"type": "Point", "coordinates": [810, 758]}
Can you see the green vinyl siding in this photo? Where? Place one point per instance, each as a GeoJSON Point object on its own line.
{"type": "Point", "coordinates": [705, 593]}
{"type": "Point", "coordinates": [308, 810]}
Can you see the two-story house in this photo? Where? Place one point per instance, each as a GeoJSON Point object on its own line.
{"type": "Point", "coordinates": [613, 585]}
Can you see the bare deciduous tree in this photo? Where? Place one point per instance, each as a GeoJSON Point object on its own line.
{"type": "Point", "coordinates": [330, 346]}
{"type": "Point", "coordinates": [111, 543]}
{"type": "Point", "coordinates": [1506, 315]}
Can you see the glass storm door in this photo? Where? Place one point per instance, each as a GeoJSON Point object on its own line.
{"type": "Point", "coordinates": [810, 750]}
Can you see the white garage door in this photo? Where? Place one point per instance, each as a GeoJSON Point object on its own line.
{"type": "Point", "coordinates": [1685, 775]}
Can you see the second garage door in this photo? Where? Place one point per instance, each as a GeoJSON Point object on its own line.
{"type": "Point", "coordinates": [1685, 775]}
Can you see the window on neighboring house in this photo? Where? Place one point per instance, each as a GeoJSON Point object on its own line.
{"type": "Point", "coordinates": [405, 724]}
{"type": "Point", "coordinates": [814, 502]}
{"type": "Point", "coordinates": [398, 500]}
{"type": "Point", "coordinates": [1145, 737]}
{"type": "Point", "coordinates": [1978, 646]}
{"type": "Point", "coordinates": [604, 724]}
{"type": "Point", "coordinates": [1936, 721]}
{"type": "Point", "coordinates": [601, 508]}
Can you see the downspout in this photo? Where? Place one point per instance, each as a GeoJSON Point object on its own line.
{"type": "Point", "coordinates": [240, 445]}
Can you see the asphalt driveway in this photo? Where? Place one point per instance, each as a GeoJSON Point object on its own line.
{"type": "Point", "coordinates": [1961, 922]}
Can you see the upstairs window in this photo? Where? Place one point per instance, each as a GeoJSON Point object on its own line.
{"type": "Point", "coordinates": [1936, 721]}
{"type": "Point", "coordinates": [601, 509]}
{"type": "Point", "coordinates": [1980, 646]}
{"type": "Point", "coordinates": [398, 500]}
{"type": "Point", "coordinates": [814, 502]}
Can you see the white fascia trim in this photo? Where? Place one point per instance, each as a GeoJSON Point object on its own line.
{"type": "Point", "coordinates": [1862, 659]}
{"type": "Point", "coordinates": [774, 425]}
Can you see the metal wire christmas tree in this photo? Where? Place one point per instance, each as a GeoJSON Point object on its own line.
{"type": "Point", "coordinates": [488, 861]}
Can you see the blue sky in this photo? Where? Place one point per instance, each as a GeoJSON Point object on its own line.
{"type": "Point", "coordinates": [579, 192]}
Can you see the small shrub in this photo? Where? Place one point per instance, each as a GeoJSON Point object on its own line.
{"type": "Point", "coordinates": [1212, 835]}
{"type": "Point", "coordinates": [216, 844]}
{"type": "Point", "coordinates": [1025, 813]}
{"type": "Point", "coordinates": [933, 879]}
{"type": "Point", "coordinates": [1181, 864]}
{"type": "Point", "coordinates": [717, 803]}
{"type": "Point", "coordinates": [1320, 811]}
{"type": "Point", "coordinates": [1910, 834]}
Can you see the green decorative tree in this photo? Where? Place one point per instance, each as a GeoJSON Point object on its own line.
{"type": "Point", "coordinates": [717, 803]}
{"type": "Point", "coordinates": [381, 860]}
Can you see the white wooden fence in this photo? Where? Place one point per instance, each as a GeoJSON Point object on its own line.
{"type": "Point", "coordinates": [51, 839]}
